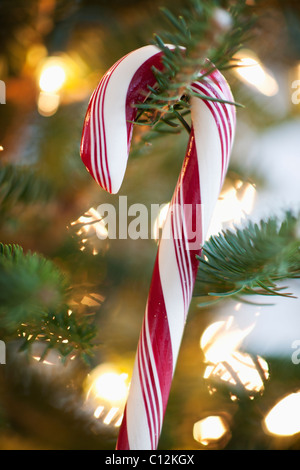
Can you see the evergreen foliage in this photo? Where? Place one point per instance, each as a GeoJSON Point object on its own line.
{"type": "Point", "coordinates": [34, 297]}
{"type": "Point", "coordinates": [205, 36]}
{"type": "Point", "coordinates": [252, 260]}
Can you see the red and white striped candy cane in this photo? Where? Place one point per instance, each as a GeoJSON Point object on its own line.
{"type": "Point", "coordinates": [104, 149]}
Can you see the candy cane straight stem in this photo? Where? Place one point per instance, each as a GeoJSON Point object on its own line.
{"type": "Point", "coordinates": [175, 270]}
{"type": "Point", "coordinates": [168, 301]}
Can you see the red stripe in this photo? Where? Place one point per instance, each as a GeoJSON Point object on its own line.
{"type": "Point", "coordinates": [122, 442]}
{"type": "Point", "coordinates": [138, 89]}
{"type": "Point", "coordinates": [192, 195]}
{"type": "Point", "coordinates": [183, 242]}
{"type": "Point", "coordinates": [160, 335]}
{"type": "Point", "coordinates": [219, 121]}
{"type": "Point", "coordinates": [177, 252]}
{"type": "Point", "coordinates": [156, 393]}
{"type": "Point", "coordinates": [229, 112]}
{"type": "Point", "coordinates": [110, 72]}
{"type": "Point", "coordinates": [100, 173]}
{"type": "Point", "coordinates": [144, 386]}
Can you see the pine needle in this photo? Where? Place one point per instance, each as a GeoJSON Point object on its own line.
{"type": "Point", "coordinates": [34, 296]}
{"type": "Point", "coordinates": [206, 33]}
{"type": "Point", "coordinates": [250, 261]}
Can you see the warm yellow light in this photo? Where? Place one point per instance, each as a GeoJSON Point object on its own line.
{"type": "Point", "coordinates": [284, 418]}
{"type": "Point", "coordinates": [110, 415]}
{"type": "Point", "coordinates": [91, 224]}
{"type": "Point", "coordinates": [233, 205]}
{"type": "Point", "coordinates": [108, 385]}
{"type": "Point", "coordinates": [248, 198]}
{"type": "Point", "coordinates": [221, 339]}
{"type": "Point", "coordinates": [98, 411]}
{"type": "Point", "coordinates": [210, 429]}
{"type": "Point", "coordinates": [220, 344]}
{"type": "Point", "coordinates": [52, 76]}
{"type": "Point", "coordinates": [111, 387]}
{"type": "Point", "coordinates": [48, 103]}
{"type": "Point", "coordinates": [252, 72]}
{"type": "Point", "coordinates": [106, 393]}
{"type": "Point", "coordinates": [240, 367]}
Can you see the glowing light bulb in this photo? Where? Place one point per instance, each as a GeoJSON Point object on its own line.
{"type": "Point", "coordinates": [51, 79]}
{"type": "Point", "coordinates": [253, 73]}
{"type": "Point", "coordinates": [91, 225]}
{"type": "Point", "coordinates": [233, 205]}
{"type": "Point", "coordinates": [220, 343]}
{"type": "Point", "coordinates": [284, 418]}
{"type": "Point", "coordinates": [107, 390]}
{"type": "Point", "coordinates": [221, 339]}
{"type": "Point", "coordinates": [210, 430]}
{"type": "Point", "coordinates": [111, 387]}
{"type": "Point", "coordinates": [53, 75]}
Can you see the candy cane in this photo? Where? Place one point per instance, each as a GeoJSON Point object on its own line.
{"type": "Point", "coordinates": [104, 150]}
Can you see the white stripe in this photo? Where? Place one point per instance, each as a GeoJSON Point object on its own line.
{"type": "Point", "coordinates": [220, 107]}
{"type": "Point", "coordinates": [186, 246]}
{"type": "Point", "coordinates": [135, 412]}
{"type": "Point", "coordinates": [172, 291]}
{"type": "Point", "coordinates": [154, 369]}
{"type": "Point", "coordinates": [152, 427]}
{"type": "Point", "coordinates": [115, 112]}
{"type": "Point", "coordinates": [92, 117]}
{"type": "Point", "coordinates": [101, 147]}
{"type": "Point", "coordinates": [229, 130]}
{"type": "Point", "coordinates": [180, 257]}
{"type": "Point", "coordinates": [208, 147]}
{"type": "Point", "coordinates": [224, 131]}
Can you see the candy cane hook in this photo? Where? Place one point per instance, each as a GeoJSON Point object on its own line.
{"type": "Point", "coordinates": [105, 147]}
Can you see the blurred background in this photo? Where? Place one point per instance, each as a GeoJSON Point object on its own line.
{"type": "Point", "coordinates": [237, 383]}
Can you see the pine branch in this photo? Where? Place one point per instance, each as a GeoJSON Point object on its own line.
{"type": "Point", "coordinates": [21, 185]}
{"type": "Point", "coordinates": [249, 261]}
{"type": "Point", "coordinates": [34, 298]}
{"type": "Point", "coordinates": [205, 36]}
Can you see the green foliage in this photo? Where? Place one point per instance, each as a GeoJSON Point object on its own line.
{"type": "Point", "coordinates": [34, 297]}
{"type": "Point", "coordinates": [249, 261]}
{"type": "Point", "coordinates": [210, 36]}
{"type": "Point", "coordinates": [22, 185]}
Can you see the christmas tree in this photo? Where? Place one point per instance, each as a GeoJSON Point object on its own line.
{"type": "Point", "coordinates": [73, 297]}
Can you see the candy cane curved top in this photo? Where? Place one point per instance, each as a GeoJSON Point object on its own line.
{"type": "Point", "coordinates": [104, 149]}
{"type": "Point", "coordinates": [107, 131]}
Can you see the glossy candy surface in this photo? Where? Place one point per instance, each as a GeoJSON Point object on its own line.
{"type": "Point", "coordinates": [104, 150]}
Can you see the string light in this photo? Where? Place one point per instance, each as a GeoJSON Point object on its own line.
{"type": "Point", "coordinates": [210, 431]}
{"type": "Point", "coordinates": [107, 390]}
{"type": "Point", "coordinates": [91, 226]}
{"type": "Point", "coordinates": [220, 343]}
{"type": "Point", "coordinates": [221, 339]}
{"type": "Point", "coordinates": [284, 418]}
{"type": "Point", "coordinates": [253, 73]}
{"type": "Point", "coordinates": [52, 77]}
{"type": "Point", "coordinates": [236, 201]}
